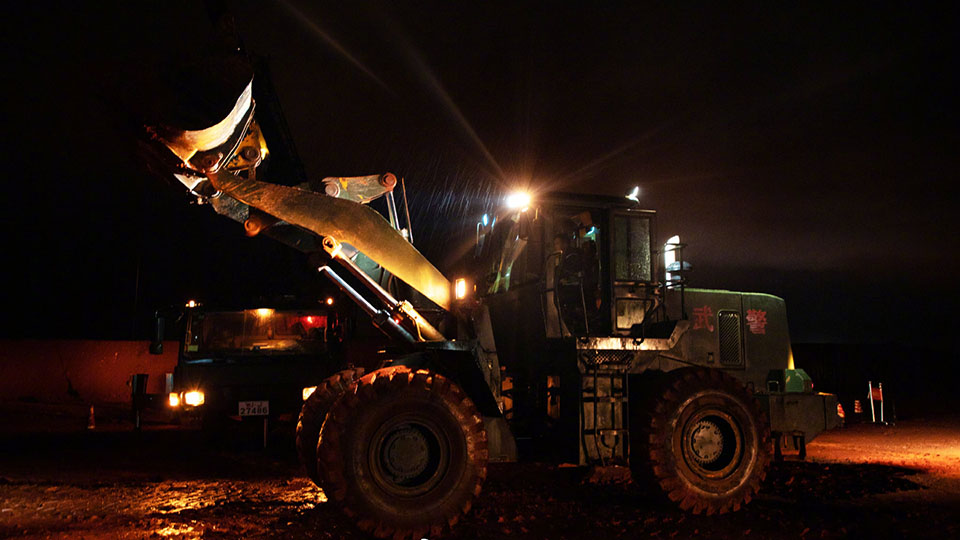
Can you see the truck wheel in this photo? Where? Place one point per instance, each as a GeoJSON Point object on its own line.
{"type": "Point", "coordinates": [314, 411]}
{"type": "Point", "coordinates": [704, 441]}
{"type": "Point", "coordinates": [403, 452]}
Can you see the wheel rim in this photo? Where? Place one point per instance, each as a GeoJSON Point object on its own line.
{"type": "Point", "coordinates": [409, 457]}
{"type": "Point", "coordinates": [712, 443]}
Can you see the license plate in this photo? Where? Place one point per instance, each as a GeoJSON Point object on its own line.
{"type": "Point", "coordinates": [254, 408]}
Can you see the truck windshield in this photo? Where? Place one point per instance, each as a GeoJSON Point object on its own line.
{"type": "Point", "coordinates": [257, 332]}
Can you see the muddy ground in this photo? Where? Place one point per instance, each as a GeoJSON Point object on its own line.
{"type": "Point", "coordinates": [899, 481]}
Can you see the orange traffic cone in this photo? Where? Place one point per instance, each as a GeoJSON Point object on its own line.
{"type": "Point", "coordinates": [857, 408]}
{"type": "Point", "coordinates": [91, 420]}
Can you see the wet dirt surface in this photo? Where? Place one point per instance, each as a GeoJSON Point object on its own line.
{"type": "Point", "coordinates": [881, 482]}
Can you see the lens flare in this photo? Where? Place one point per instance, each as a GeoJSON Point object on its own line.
{"type": "Point", "coordinates": [518, 200]}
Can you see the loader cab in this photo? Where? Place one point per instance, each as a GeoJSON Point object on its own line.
{"type": "Point", "coordinates": [579, 265]}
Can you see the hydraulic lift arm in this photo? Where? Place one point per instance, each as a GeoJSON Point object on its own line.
{"type": "Point", "coordinates": [344, 221]}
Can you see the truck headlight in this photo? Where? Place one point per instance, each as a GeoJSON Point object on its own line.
{"type": "Point", "coordinates": [173, 399]}
{"type": "Point", "coordinates": [460, 289]}
{"type": "Point", "coordinates": [308, 391]}
{"type": "Point", "coordinates": [193, 398]}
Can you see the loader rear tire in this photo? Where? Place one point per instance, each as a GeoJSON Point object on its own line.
{"type": "Point", "coordinates": [403, 453]}
{"type": "Point", "coordinates": [704, 441]}
{"type": "Point", "coordinates": [314, 412]}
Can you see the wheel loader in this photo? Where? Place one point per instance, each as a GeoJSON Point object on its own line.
{"type": "Point", "coordinates": [573, 338]}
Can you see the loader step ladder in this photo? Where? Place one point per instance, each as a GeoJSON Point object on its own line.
{"type": "Point", "coordinates": [604, 409]}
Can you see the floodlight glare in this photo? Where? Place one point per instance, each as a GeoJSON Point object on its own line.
{"type": "Point", "coordinates": [518, 200]}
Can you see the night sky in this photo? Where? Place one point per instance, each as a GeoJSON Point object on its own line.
{"type": "Point", "coordinates": [804, 150]}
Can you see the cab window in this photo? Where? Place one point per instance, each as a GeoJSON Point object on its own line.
{"type": "Point", "coordinates": [631, 248]}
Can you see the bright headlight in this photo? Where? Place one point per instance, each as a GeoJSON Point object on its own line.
{"type": "Point", "coordinates": [308, 391]}
{"type": "Point", "coordinates": [193, 398]}
{"type": "Point", "coordinates": [460, 289]}
{"type": "Point", "coordinates": [173, 399]}
{"type": "Point", "coordinates": [518, 200]}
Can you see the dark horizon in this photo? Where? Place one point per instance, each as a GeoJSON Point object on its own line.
{"type": "Point", "coordinates": [802, 151]}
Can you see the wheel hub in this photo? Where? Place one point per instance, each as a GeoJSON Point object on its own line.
{"type": "Point", "coordinates": [706, 442]}
{"type": "Point", "coordinates": [405, 453]}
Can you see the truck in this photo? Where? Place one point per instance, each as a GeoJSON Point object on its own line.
{"type": "Point", "coordinates": [565, 341]}
{"type": "Point", "coordinates": [246, 363]}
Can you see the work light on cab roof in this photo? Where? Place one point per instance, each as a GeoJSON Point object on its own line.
{"type": "Point", "coordinates": [518, 200]}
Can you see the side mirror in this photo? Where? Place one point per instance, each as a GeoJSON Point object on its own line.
{"type": "Point", "coordinates": [156, 344]}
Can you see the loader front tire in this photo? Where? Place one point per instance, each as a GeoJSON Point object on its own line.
{"type": "Point", "coordinates": [313, 413]}
{"type": "Point", "coordinates": [404, 453]}
{"type": "Point", "coordinates": [704, 441]}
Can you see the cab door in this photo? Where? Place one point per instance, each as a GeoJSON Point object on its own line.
{"type": "Point", "coordinates": [632, 272]}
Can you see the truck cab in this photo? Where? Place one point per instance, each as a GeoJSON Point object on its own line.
{"type": "Point", "coordinates": [254, 363]}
